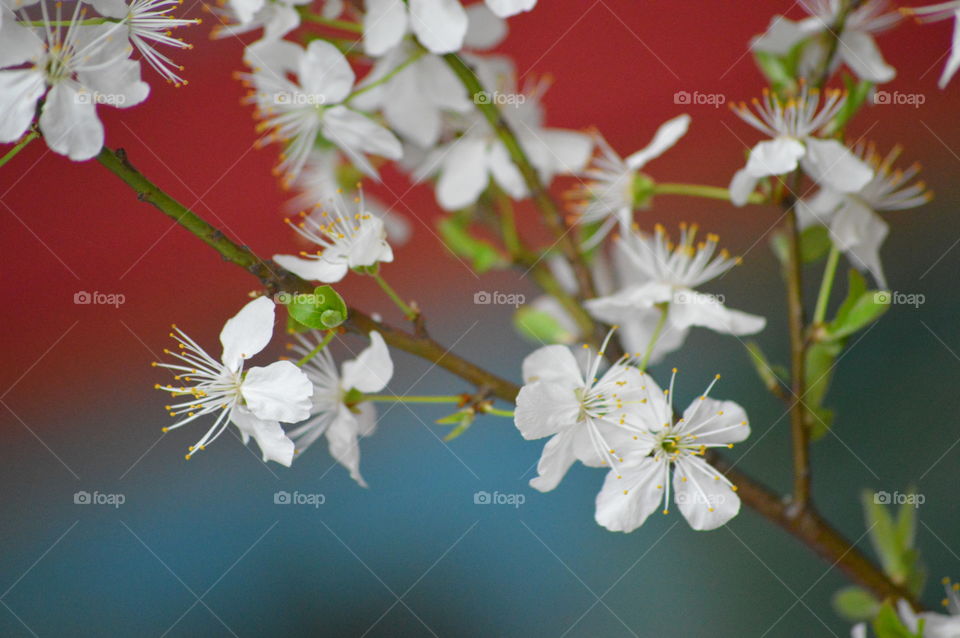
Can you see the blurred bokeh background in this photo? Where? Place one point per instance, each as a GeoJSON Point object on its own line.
{"type": "Point", "coordinates": [200, 548]}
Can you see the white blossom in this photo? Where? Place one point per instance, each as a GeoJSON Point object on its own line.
{"type": "Point", "coordinates": [255, 400]}
{"type": "Point", "coordinates": [791, 125]}
{"type": "Point", "coordinates": [339, 411]}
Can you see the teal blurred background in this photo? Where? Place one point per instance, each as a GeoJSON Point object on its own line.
{"type": "Point", "coordinates": [414, 555]}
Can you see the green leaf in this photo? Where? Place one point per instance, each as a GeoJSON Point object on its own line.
{"type": "Point", "coordinates": [818, 371]}
{"type": "Point", "coordinates": [861, 308]}
{"type": "Point", "coordinates": [814, 244]}
{"type": "Point", "coordinates": [462, 419]}
{"type": "Point", "coordinates": [883, 535]}
{"type": "Point", "coordinates": [776, 69]}
{"type": "Point", "coordinates": [762, 366]}
{"type": "Point", "coordinates": [540, 326]}
{"type": "Point", "coordinates": [855, 604]}
{"type": "Point", "coordinates": [455, 232]}
{"type": "Point", "coordinates": [322, 309]}
{"type": "Point", "coordinates": [887, 624]}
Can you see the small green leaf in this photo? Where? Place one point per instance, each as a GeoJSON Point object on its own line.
{"type": "Point", "coordinates": [455, 232]}
{"type": "Point", "coordinates": [762, 366]}
{"type": "Point", "coordinates": [462, 419]}
{"type": "Point", "coordinates": [322, 309]}
{"type": "Point", "coordinates": [814, 244]}
{"type": "Point", "coordinates": [855, 603]}
{"type": "Point", "coordinates": [818, 370]}
{"type": "Point", "coordinates": [777, 69]}
{"type": "Point", "coordinates": [863, 311]}
{"type": "Point", "coordinates": [540, 326]}
{"type": "Point", "coordinates": [887, 624]}
{"type": "Point", "coordinates": [883, 535]}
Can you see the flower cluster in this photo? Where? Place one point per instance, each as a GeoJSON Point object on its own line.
{"type": "Point", "coordinates": [56, 53]}
{"type": "Point", "coordinates": [623, 421]}
{"type": "Point", "coordinates": [259, 399]}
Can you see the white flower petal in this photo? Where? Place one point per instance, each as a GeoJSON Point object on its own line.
{"type": "Point", "coordinates": [70, 124]}
{"type": "Point", "coordinates": [953, 62]}
{"type": "Point", "coordinates": [313, 269]}
{"type": "Point", "coordinates": [464, 174]}
{"type": "Point", "coordinates": [706, 502]}
{"type": "Point", "coordinates": [280, 391]}
{"type": "Point", "coordinates": [384, 25]}
{"type": "Point", "coordinates": [353, 131]}
{"type": "Point", "coordinates": [859, 50]}
{"type": "Point", "coordinates": [372, 370]}
{"type": "Point", "coordinates": [742, 186]}
{"type": "Point", "coordinates": [325, 72]}
{"type": "Point", "coordinates": [247, 333]}
{"type": "Point", "coordinates": [507, 8]}
{"type": "Point", "coordinates": [831, 164]}
{"type": "Point", "coordinates": [342, 436]}
{"type": "Point", "coordinates": [19, 92]}
{"type": "Point", "coordinates": [859, 232]}
{"type": "Point", "coordinates": [713, 421]}
{"type": "Point", "coordinates": [545, 408]}
{"type": "Point", "coordinates": [625, 512]}
{"type": "Point", "coordinates": [485, 29]}
{"type": "Point", "coordinates": [774, 157]}
{"type": "Point", "coordinates": [273, 443]}
{"type": "Point", "coordinates": [706, 311]}
{"type": "Point", "coordinates": [666, 136]}
{"type": "Point", "coordinates": [440, 25]}
{"type": "Point", "coordinates": [555, 364]}
{"type": "Point", "coordinates": [505, 172]}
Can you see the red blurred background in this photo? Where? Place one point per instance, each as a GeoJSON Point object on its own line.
{"type": "Point", "coordinates": [616, 64]}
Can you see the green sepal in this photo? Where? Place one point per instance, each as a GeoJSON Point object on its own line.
{"type": "Point", "coordinates": [323, 309]}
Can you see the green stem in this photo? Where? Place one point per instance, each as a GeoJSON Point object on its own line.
{"type": "Point", "coordinates": [320, 346]}
{"type": "Point", "coordinates": [408, 312]}
{"type": "Point", "coordinates": [32, 135]}
{"type": "Point", "coordinates": [664, 311]}
{"type": "Point", "coordinates": [412, 399]}
{"type": "Point", "coordinates": [389, 76]}
{"type": "Point", "coordinates": [829, 273]}
{"type": "Point", "coordinates": [343, 25]}
{"type": "Point", "coordinates": [699, 190]}
{"type": "Point", "coordinates": [497, 412]}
